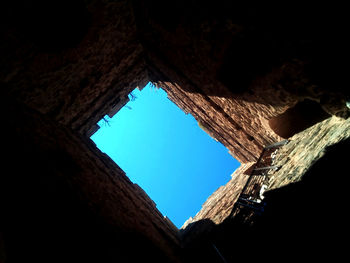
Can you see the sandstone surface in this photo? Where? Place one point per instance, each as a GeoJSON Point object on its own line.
{"type": "Point", "coordinates": [306, 148]}
{"type": "Point", "coordinates": [294, 159]}
{"type": "Point", "coordinates": [219, 205]}
{"type": "Point", "coordinates": [76, 173]}
{"type": "Point", "coordinates": [239, 68]}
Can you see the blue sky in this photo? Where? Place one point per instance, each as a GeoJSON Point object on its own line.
{"type": "Point", "coordinates": [163, 150]}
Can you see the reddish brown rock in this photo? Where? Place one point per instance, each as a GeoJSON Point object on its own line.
{"type": "Point", "coordinates": [306, 148]}
{"type": "Point", "coordinates": [238, 68]}
{"type": "Point", "coordinates": [294, 160]}
{"type": "Point", "coordinates": [219, 205]}
{"type": "Point", "coordinates": [242, 135]}
{"type": "Point", "coordinates": [72, 184]}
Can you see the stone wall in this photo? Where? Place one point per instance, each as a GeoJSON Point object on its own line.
{"type": "Point", "coordinates": [77, 84]}
{"type": "Point", "coordinates": [62, 198]}
{"type": "Point", "coordinates": [235, 71]}
{"type": "Point", "coordinates": [220, 204]}
{"type": "Point", "coordinates": [243, 135]}
{"type": "Point", "coordinates": [234, 66]}
{"type": "Point", "coordinates": [295, 159]}
{"type": "Point", "coordinates": [306, 148]}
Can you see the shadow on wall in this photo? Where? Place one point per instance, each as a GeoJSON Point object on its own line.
{"type": "Point", "coordinates": [51, 26]}
{"type": "Point", "coordinates": [45, 214]}
{"type": "Point", "coordinates": [308, 219]}
{"type": "Point", "coordinates": [298, 118]}
{"type": "Point", "coordinates": [311, 214]}
{"type": "Point", "coordinates": [243, 52]}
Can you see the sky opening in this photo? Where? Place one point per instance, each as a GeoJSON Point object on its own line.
{"type": "Point", "coordinates": [165, 152]}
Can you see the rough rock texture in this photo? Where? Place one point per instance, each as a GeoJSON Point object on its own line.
{"type": "Point", "coordinates": [76, 84]}
{"type": "Point", "coordinates": [298, 118]}
{"type": "Point", "coordinates": [236, 131]}
{"type": "Point", "coordinates": [240, 67]}
{"type": "Point", "coordinates": [121, 45]}
{"type": "Point", "coordinates": [303, 206]}
{"type": "Point", "coordinates": [219, 205]}
{"type": "Point", "coordinates": [306, 148]}
{"type": "Point", "coordinates": [306, 217]}
{"type": "Point", "coordinates": [71, 183]}
{"type": "Point", "coordinates": [237, 67]}
{"type": "Point", "coordinates": [295, 158]}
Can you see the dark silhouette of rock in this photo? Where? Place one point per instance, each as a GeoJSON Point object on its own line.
{"type": "Point", "coordinates": [241, 69]}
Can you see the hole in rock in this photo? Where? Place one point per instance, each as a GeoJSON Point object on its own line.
{"type": "Point", "coordinates": [298, 118]}
{"type": "Point", "coordinates": [165, 151]}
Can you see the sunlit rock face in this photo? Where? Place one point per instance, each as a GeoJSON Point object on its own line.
{"type": "Point", "coordinates": [242, 70]}
{"type": "Point", "coordinates": [294, 160]}
{"type": "Point", "coordinates": [220, 204]}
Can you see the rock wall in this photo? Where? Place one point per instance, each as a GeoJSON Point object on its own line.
{"type": "Point", "coordinates": [243, 146]}
{"type": "Point", "coordinates": [78, 83]}
{"type": "Point", "coordinates": [306, 148]}
{"type": "Point", "coordinates": [240, 67]}
{"type": "Point", "coordinates": [295, 159]}
{"type": "Point", "coordinates": [66, 64]}
{"type": "Point", "coordinates": [79, 68]}
{"type": "Point", "coordinates": [306, 216]}
{"type": "Point", "coordinates": [69, 200]}
{"type": "Point", "coordinates": [219, 205]}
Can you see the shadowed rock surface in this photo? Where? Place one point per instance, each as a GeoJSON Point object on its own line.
{"type": "Point", "coordinates": [251, 75]}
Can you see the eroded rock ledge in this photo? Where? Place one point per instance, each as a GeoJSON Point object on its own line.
{"type": "Point", "coordinates": [295, 159]}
